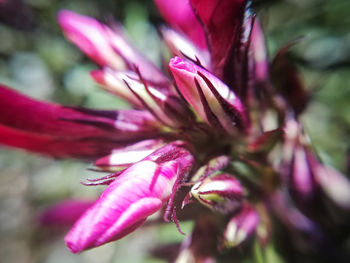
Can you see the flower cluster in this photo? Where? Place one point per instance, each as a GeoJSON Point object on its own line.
{"type": "Point", "coordinates": [219, 129]}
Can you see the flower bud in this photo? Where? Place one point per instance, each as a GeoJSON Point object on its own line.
{"type": "Point", "coordinates": [211, 99]}
{"type": "Point", "coordinates": [302, 183]}
{"type": "Point", "coordinates": [135, 194]}
{"type": "Point", "coordinates": [213, 165]}
{"type": "Point", "coordinates": [222, 192]}
{"type": "Point", "coordinates": [241, 226]}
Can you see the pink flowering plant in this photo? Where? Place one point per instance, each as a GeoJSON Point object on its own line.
{"type": "Point", "coordinates": [214, 136]}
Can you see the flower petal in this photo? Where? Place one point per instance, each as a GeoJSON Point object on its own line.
{"type": "Point", "coordinates": [89, 148]}
{"type": "Point", "coordinates": [221, 19]}
{"type": "Point", "coordinates": [107, 47]}
{"type": "Point", "coordinates": [122, 158]}
{"type": "Point", "coordinates": [181, 17]}
{"type": "Point", "coordinates": [135, 194]}
{"type": "Point", "coordinates": [41, 127]}
{"type": "Point", "coordinates": [64, 213]}
{"type": "Point", "coordinates": [181, 46]}
{"type": "Point", "coordinates": [206, 93]}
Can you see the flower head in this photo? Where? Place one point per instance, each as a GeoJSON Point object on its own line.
{"type": "Point", "coordinates": [212, 128]}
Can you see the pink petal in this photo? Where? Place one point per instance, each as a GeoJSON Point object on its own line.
{"type": "Point", "coordinates": [91, 37]}
{"type": "Point", "coordinates": [129, 86]}
{"type": "Point", "coordinates": [130, 154]}
{"type": "Point", "coordinates": [64, 213]}
{"type": "Point", "coordinates": [222, 102]}
{"type": "Point", "coordinates": [135, 194]}
{"type": "Point", "coordinates": [107, 47]}
{"type": "Point", "coordinates": [241, 226]}
{"type": "Point", "coordinates": [182, 47]}
{"type": "Point", "coordinates": [130, 199]}
{"type": "Point", "coordinates": [258, 48]}
{"type": "Point", "coordinates": [55, 130]}
{"type": "Point", "coordinates": [221, 19]}
{"type": "Point", "coordinates": [181, 17]}
{"type": "Point", "coordinates": [56, 146]}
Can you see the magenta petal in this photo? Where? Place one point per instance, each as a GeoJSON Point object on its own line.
{"type": "Point", "coordinates": [57, 146]}
{"type": "Point", "coordinates": [91, 37]}
{"type": "Point", "coordinates": [212, 100]}
{"type": "Point", "coordinates": [241, 226]}
{"type": "Point", "coordinates": [259, 53]}
{"type": "Point", "coordinates": [21, 112]}
{"type": "Point", "coordinates": [181, 17]}
{"type": "Point", "coordinates": [135, 194]}
{"type": "Point", "coordinates": [130, 154]}
{"type": "Point", "coordinates": [69, 132]}
{"type": "Point", "coordinates": [181, 46]}
{"type": "Point", "coordinates": [64, 213]}
{"type": "Point", "coordinates": [221, 19]}
{"type": "Point", "coordinates": [130, 199]}
{"type": "Point", "coordinates": [106, 46]}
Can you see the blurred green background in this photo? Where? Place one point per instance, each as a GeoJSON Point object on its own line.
{"type": "Point", "coordinates": [36, 59]}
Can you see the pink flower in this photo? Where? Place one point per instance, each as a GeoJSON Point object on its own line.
{"type": "Point", "coordinates": [214, 118]}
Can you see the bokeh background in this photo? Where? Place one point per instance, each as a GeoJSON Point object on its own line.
{"type": "Point", "coordinates": [36, 59]}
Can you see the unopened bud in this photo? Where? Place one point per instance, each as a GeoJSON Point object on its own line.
{"type": "Point", "coordinates": [223, 193]}
{"type": "Point", "coordinates": [241, 226]}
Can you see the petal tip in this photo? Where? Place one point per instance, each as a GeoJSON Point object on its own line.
{"type": "Point", "coordinates": [98, 76]}
{"type": "Point", "coordinates": [178, 63]}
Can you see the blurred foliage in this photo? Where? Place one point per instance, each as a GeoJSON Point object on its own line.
{"type": "Point", "coordinates": [37, 60]}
